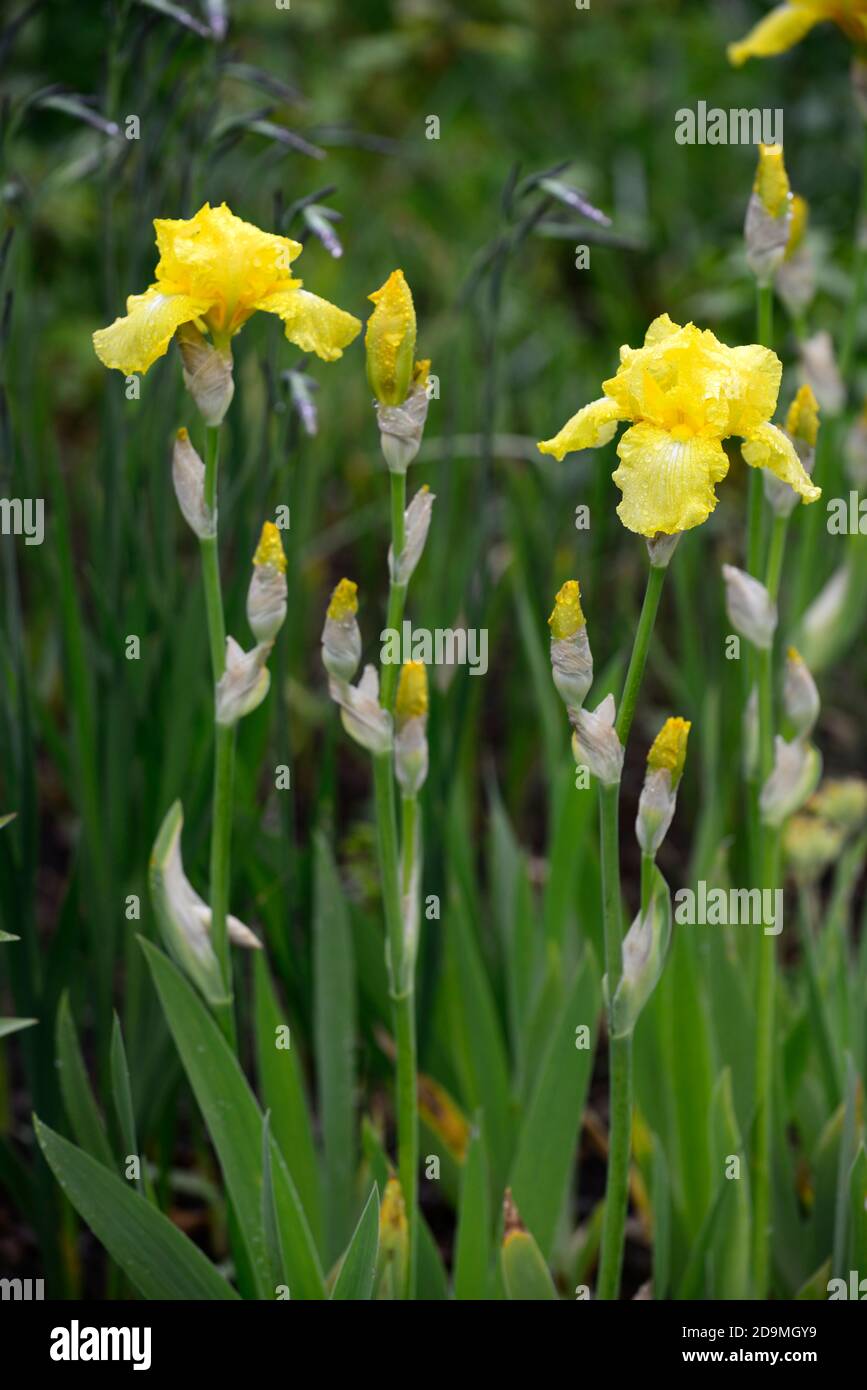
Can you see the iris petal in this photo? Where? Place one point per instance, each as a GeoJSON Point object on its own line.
{"type": "Point", "coordinates": [667, 483]}
{"type": "Point", "coordinates": [133, 343]}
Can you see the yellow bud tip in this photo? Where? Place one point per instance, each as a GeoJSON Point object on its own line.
{"type": "Point", "coordinates": [411, 699]}
{"type": "Point", "coordinates": [392, 1215]}
{"type": "Point", "coordinates": [669, 749]}
{"type": "Point", "coordinates": [566, 616]}
{"type": "Point", "coordinates": [798, 225]}
{"type": "Point", "coordinates": [182, 436]}
{"type": "Point", "coordinates": [794, 655]}
{"type": "Point", "coordinates": [269, 551]}
{"type": "Point", "coordinates": [802, 421]}
{"type": "Point", "coordinates": [772, 182]}
{"type": "Point", "coordinates": [344, 601]}
{"type": "Point", "coordinates": [390, 340]}
{"type": "Point", "coordinates": [421, 372]}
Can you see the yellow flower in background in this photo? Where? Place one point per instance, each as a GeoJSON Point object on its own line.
{"type": "Point", "coordinates": [214, 271]}
{"type": "Point", "coordinates": [684, 392]}
{"type": "Point", "coordinates": [390, 341]}
{"type": "Point", "coordinates": [771, 184]}
{"type": "Point", "coordinates": [788, 24]}
{"type": "Point", "coordinates": [802, 420]}
{"type": "Point", "coordinates": [798, 224]}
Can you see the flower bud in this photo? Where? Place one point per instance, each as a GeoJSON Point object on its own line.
{"type": "Point", "coordinates": [802, 428]}
{"type": "Point", "coordinates": [644, 949]}
{"type": "Point", "coordinates": [766, 229]}
{"type": "Point", "coordinates": [795, 775]}
{"type": "Point", "coordinates": [595, 741]}
{"type": "Point", "coordinates": [571, 658]}
{"type": "Point", "coordinates": [341, 638]}
{"type": "Point", "coordinates": [661, 547]}
{"type": "Point", "coordinates": [361, 714]}
{"type": "Point", "coordinates": [820, 371]}
{"type": "Point", "coordinates": [416, 524]}
{"type": "Point", "coordinates": [825, 625]}
{"type": "Point", "coordinates": [207, 374]}
{"type": "Point", "coordinates": [401, 427]}
{"type": "Point", "coordinates": [800, 697]}
{"type": "Point", "coordinates": [410, 725]}
{"type": "Point", "coordinates": [843, 802]}
{"type": "Point", "coordinates": [795, 279]}
{"type": "Point", "coordinates": [267, 594]}
{"type": "Point", "coordinates": [656, 804]}
{"type": "Point", "coordinates": [244, 683]}
{"type": "Point", "coordinates": [390, 341]}
{"type": "Point", "coordinates": [751, 610]}
{"type": "Point", "coordinates": [183, 917]}
{"type": "Point", "coordinates": [810, 845]}
{"type": "Point", "coordinates": [188, 476]}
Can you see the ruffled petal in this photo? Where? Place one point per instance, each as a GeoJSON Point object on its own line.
{"type": "Point", "coordinates": [593, 426]}
{"type": "Point", "coordinates": [133, 343]}
{"type": "Point", "coordinates": [312, 323]}
{"type": "Point", "coordinates": [751, 388]}
{"type": "Point", "coordinates": [667, 484]}
{"type": "Point", "coordinates": [768, 447]}
{"type": "Point", "coordinates": [781, 29]}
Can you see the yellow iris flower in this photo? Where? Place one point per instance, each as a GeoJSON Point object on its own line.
{"type": "Point", "coordinates": [215, 270]}
{"type": "Point", "coordinates": [684, 393]}
{"type": "Point", "coordinates": [788, 24]}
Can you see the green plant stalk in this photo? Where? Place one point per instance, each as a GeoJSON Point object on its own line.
{"type": "Point", "coordinates": [765, 996]}
{"type": "Point", "coordinates": [396, 592]}
{"type": "Point", "coordinates": [620, 1049]}
{"type": "Point", "coordinates": [638, 659]}
{"type": "Point", "coordinates": [224, 747]}
{"type": "Point", "coordinates": [619, 1056]}
{"type": "Point", "coordinates": [776, 554]}
{"type": "Point", "coordinates": [765, 335]}
{"type": "Point", "coordinates": [850, 328]}
{"type": "Point", "coordinates": [407, 1066]}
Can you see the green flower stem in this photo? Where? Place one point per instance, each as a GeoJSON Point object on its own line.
{"type": "Point", "coordinates": [396, 592]}
{"type": "Point", "coordinates": [847, 346]}
{"type": "Point", "coordinates": [620, 1049]}
{"type": "Point", "coordinates": [407, 1084]}
{"type": "Point", "coordinates": [765, 994]}
{"type": "Point", "coordinates": [638, 660]}
{"type": "Point", "coordinates": [765, 335]}
{"type": "Point", "coordinates": [776, 554]}
{"type": "Point", "coordinates": [224, 748]}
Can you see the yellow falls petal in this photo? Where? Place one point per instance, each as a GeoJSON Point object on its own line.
{"type": "Point", "coordinates": [768, 447]}
{"type": "Point", "coordinates": [667, 483]}
{"type": "Point", "coordinates": [593, 426]}
{"type": "Point", "coordinates": [312, 323]}
{"type": "Point", "coordinates": [133, 343]}
{"type": "Point", "coordinates": [752, 387]}
{"type": "Point", "coordinates": [781, 29]}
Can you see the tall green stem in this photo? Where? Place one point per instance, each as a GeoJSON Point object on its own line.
{"type": "Point", "coordinates": [407, 1086]}
{"type": "Point", "coordinates": [850, 330]}
{"type": "Point", "coordinates": [224, 746]}
{"type": "Point", "coordinates": [396, 592]}
{"type": "Point", "coordinates": [765, 336]}
{"type": "Point", "coordinates": [620, 1048]}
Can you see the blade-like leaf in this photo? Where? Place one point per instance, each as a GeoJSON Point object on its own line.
{"type": "Point", "coordinates": [357, 1272]}
{"type": "Point", "coordinates": [159, 1259]}
{"type": "Point", "coordinates": [81, 1108]}
{"type": "Point", "coordinates": [473, 1240]}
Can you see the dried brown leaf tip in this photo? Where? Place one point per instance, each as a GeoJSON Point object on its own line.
{"type": "Point", "coordinates": [512, 1223]}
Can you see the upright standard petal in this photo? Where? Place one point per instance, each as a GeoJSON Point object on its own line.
{"type": "Point", "coordinates": [667, 483]}
{"type": "Point", "coordinates": [768, 447]}
{"type": "Point", "coordinates": [593, 426]}
{"type": "Point", "coordinates": [312, 323]}
{"type": "Point", "coordinates": [781, 29]}
{"type": "Point", "coordinates": [133, 343]}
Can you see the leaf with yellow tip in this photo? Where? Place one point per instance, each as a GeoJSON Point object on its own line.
{"type": "Point", "coordinates": [525, 1275]}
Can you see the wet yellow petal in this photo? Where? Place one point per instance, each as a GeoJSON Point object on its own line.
{"type": "Point", "coordinates": [312, 323]}
{"type": "Point", "coordinates": [566, 616]}
{"type": "Point", "coordinates": [752, 387]}
{"type": "Point", "coordinates": [781, 29]}
{"type": "Point", "coordinates": [411, 701]}
{"type": "Point", "coordinates": [344, 601]}
{"type": "Point", "coordinates": [593, 426]}
{"type": "Point", "coordinates": [390, 340]}
{"type": "Point", "coordinates": [768, 447]}
{"type": "Point", "coordinates": [771, 183]}
{"type": "Point", "coordinates": [668, 749]}
{"type": "Point", "coordinates": [667, 483]}
{"type": "Point", "coordinates": [662, 327]}
{"type": "Point", "coordinates": [133, 343]}
{"type": "Point", "coordinates": [270, 551]}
